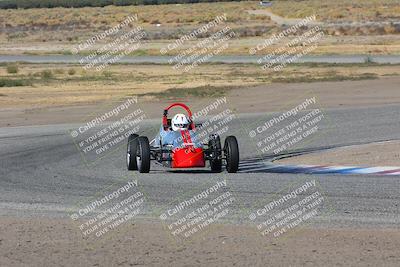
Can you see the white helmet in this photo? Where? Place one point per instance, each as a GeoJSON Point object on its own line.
{"type": "Point", "coordinates": [179, 122]}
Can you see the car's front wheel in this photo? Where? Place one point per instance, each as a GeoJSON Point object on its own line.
{"type": "Point", "coordinates": [143, 154]}
{"type": "Point", "coordinates": [214, 145]}
{"type": "Point", "coordinates": [231, 149]}
{"type": "Point", "coordinates": [131, 152]}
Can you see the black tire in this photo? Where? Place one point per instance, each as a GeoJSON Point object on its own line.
{"type": "Point", "coordinates": [131, 152]}
{"type": "Point", "coordinates": [231, 149]}
{"type": "Point", "coordinates": [143, 154]}
{"type": "Point", "coordinates": [215, 145]}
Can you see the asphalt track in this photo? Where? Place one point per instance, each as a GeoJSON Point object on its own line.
{"type": "Point", "coordinates": [42, 173]}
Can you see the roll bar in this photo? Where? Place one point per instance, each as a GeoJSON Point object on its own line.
{"type": "Point", "coordinates": [189, 112]}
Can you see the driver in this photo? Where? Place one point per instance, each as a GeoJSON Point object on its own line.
{"type": "Point", "coordinates": [180, 134]}
{"type": "Point", "coordinates": [179, 122]}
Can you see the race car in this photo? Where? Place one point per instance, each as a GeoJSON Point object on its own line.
{"type": "Point", "coordinates": [177, 146]}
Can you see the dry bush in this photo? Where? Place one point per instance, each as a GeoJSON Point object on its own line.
{"type": "Point", "coordinates": [12, 69]}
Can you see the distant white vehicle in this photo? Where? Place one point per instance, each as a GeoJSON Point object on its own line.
{"type": "Point", "coordinates": [265, 3]}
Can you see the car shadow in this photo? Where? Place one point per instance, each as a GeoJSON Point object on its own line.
{"type": "Point", "coordinates": [190, 171]}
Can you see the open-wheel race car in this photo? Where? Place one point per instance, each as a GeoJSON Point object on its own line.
{"type": "Point", "coordinates": [177, 146]}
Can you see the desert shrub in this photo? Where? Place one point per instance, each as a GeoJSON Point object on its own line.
{"type": "Point", "coordinates": [107, 74]}
{"type": "Point", "coordinates": [14, 82]}
{"type": "Point", "coordinates": [46, 74]}
{"type": "Point", "coordinates": [12, 68]}
{"type": "Point", "coordinates": [71, 72]}
{"type": "Point", "coordinates": [59, 71]}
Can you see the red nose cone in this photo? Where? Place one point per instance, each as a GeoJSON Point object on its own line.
{"type": "Point", "coordinates": [188, 158]}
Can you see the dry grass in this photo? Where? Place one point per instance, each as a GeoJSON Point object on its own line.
{"type": "Point", "coordinates": [48, 29]}
{"type": "Point", "coordinates": [57, 30]}
{"type": "Point", "coordinates": [339, 10]}
{"type": "Point", "coordinates": [84, 87]}
{"type": "Point", "coordinates": [384, 44]}
{"type": "Point", "coordinates": [98, 17]}
{"type": "Point", "coordinates": [194, 14]}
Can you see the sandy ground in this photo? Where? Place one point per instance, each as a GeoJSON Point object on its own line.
{"type": "Point", "coordinates": [119, 81]}
{"type": "Point", "coordinates": [343, 44]}
{"type": "Point", "coordinates": [376, 154]}
{"type": "Point", "coordinates": [50, 242]}
{"type": "Point", "coordinates": [278, 19]}
{"type": "Point", "coordinates": [267, 98]}
{"type": "Point", "coordinates": [346, 94]}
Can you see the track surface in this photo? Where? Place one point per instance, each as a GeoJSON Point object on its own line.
{"type": "Point", "coordinates": [42, 173]}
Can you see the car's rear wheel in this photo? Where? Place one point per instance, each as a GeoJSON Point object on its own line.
{"type": "Point", "coordinates": [143, 154]}
{"type": "Point", "coordinates": [131, 152]}
{"type": "Point", "coordinates": [214, 145]}
{"type": "Point", "coordinates": [231, 149]}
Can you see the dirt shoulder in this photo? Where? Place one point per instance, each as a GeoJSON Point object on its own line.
{"type": "Point", "coordinates": [375, 154]}
{"type": "Point", "coordinates": [345, 94]}
{"type": "Point", "coordinates": [49, 242]}
{"type": "Point", "coordinates": [54, 85]}
{"type": "Point", "coordinates": [272, 97]}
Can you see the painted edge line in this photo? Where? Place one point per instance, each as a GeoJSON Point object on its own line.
{"type": "Point", "coordinates": [318, 169]}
